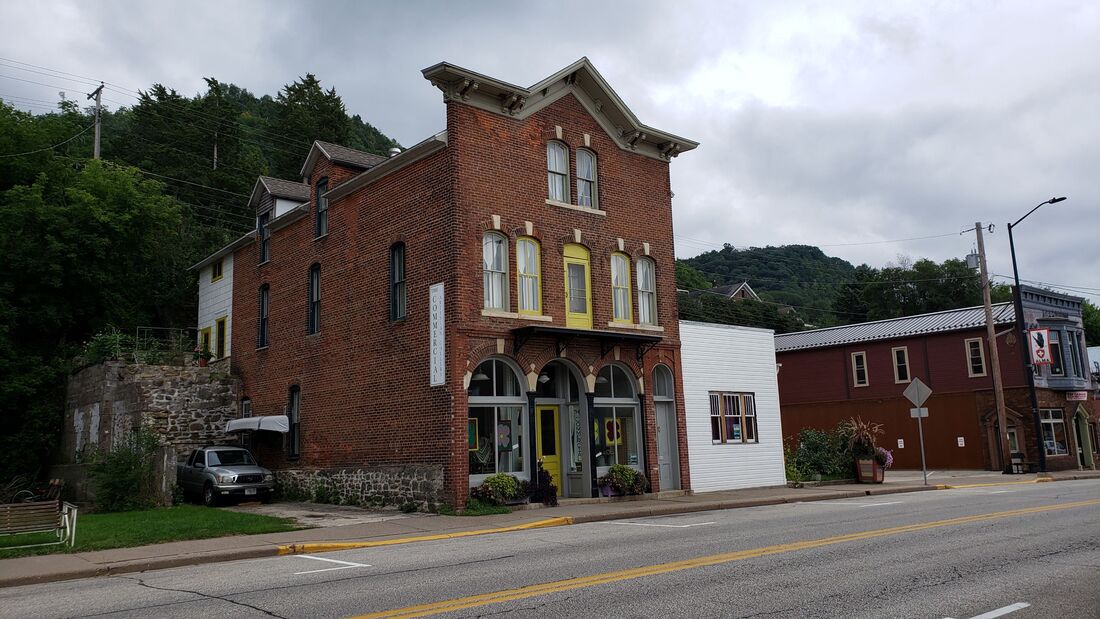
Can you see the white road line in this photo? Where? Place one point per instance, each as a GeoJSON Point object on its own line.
{"type": "Point", "coordinates": [1000, 612]}
{"type": "Point", "coordinates": [1001, 491]}
{"type": "Point", "coordinates": [345, 564]}
{"type": "Point", "coordinates": [877, 504]}
{"type": "Point", "coordinates": [669, 526]}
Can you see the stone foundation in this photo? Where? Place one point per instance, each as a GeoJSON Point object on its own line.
{"type": "Point", "coordinates": [383, 486]}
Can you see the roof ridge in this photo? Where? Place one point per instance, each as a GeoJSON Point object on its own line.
{"type": "Point", "coordinates": [882, 320]}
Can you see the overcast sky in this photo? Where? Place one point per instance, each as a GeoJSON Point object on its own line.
{"type": "Point", "coordinates": [826, 123]}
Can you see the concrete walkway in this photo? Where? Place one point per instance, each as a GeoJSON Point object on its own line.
{"type": "Point", "coordinates": [55, 567]}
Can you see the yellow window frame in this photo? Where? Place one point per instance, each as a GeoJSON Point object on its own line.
{"type": "Point", "coordinates": [217, 271]}
{"type": "Point", "coordinates": [625, 288]}
{"type": "Point", "coordinates": [579, 255]}
{"type": "Point", "coordinates": [205, 339]}
{"type": "Point", "coordinates": [537, 275]}
{"type": "Point", "coordinates": [220, 328]}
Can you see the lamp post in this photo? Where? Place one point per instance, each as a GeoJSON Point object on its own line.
{"type": "Point", "coordinates": [1025, 347]}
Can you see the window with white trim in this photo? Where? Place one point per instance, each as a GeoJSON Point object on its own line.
{"type": "Point", "coordinates": [620, 288]}
{"type": "Point", "coordinates": [1054, 431]}
{"type": "Point", "coordinates": [1056, 366]}
{"type": "Point", "coordinates": [859, 369]}
{"type": "Point", "coordinates": [586, 179]}
{"type": "Point", "coordinates": [733, 418]}
{"type": "Point", "coordinates": [557, 171]}
{"type": "Point", "coordinates": [647, 292]}
{"type": "Point", "coordinates": [528, 276]}
{"type": "Point", "coordinates": [901, 364]}
{"type": "Point", "coordinates": [494, 255]}
{"type": "Point", "coordinates": [975, 357]}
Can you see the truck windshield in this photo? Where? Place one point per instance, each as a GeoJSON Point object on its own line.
{"type": "Point", "coordinates": [229, 457]}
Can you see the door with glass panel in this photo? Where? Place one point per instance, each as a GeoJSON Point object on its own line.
{"type": "Point", "coordinates": [578, 288]}
{"type": "Point", "coordinates": [547, 444]}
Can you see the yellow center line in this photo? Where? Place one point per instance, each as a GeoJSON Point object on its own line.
{"type": "Point", "coordinates": [507, 595]}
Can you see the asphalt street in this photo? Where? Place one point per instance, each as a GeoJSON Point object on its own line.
{"type": "Point", "coordinates": [1013, 551]}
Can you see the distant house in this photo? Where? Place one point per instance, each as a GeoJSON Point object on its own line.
{"type": "Point", "coordinates": [736, 292]}
{"type": "Point", "coordinates": [862, 369]}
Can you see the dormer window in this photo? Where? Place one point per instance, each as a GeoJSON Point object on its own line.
{"type": "Point", "coordinates": [557, 171]}
{"type": "Point", "coordinates": [586, 179]}
{"type": "Point", "coordinates": [320, 227]}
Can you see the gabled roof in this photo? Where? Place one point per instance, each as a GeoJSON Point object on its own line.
{"type": "Point", "coordinates": [732, 290]}
{"type": "Point", "coordinates": [894, 328]}
{"type": "Point", "coordinates": [582, 80]}
{"type": "Point", "coordinates": [279, 188]}
{"type": "Point", "coordinates": [339, 154]}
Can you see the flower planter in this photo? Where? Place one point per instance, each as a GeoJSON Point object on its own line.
{"type": "Point", "coordinates": [203, 362]}
{"type": "Point", "coordinates": [868, 471]}
{"type": "Point", "coordinates": [521, 501]}
{"type": "Point", "coordinates": [607, 490]}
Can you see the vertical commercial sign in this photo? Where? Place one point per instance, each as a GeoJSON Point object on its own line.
{"type": "Point", "coordinates": [437, 343]}
{"type": "Point", "coordinates": [1040, 346]}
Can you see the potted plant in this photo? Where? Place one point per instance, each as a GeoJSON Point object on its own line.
{"type": "Point", "coordinates": [203, 355]}
{"type": "Point", "coordinates": [622, 480]}
{"type": "Point", "coordinates": [863, 436]}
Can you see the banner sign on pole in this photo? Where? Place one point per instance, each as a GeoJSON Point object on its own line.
{"type": "Point", "coordinates": [1040, 346]}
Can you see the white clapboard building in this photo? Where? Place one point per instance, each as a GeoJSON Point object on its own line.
{"type": "Point", "coordinates": [731, 400]}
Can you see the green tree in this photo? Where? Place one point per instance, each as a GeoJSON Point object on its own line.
{"type": "Point", "coordinates": [689, 278]}
{"type": "Point", "coordinates": [1092, 323]}
{"type": "Point", "coordinates": [306, 111]}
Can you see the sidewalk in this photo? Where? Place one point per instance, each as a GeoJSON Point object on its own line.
{"type": "Point", "coordinates": [49, 568]}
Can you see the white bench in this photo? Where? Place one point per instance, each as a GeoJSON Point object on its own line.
{"type": "Point", "coordinates": [57, 517]}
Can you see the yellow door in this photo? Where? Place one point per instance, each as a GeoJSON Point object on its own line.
{"type": "Point", "coordinates": [547, 445]}
{"type": "Point", "coordinates": [578, 287]}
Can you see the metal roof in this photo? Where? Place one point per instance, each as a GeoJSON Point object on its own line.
{"type": "Point", "coordinates": [894, 328]}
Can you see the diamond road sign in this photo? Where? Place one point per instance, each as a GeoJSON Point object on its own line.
{"type": "Point", "coordinates": [917, 392]}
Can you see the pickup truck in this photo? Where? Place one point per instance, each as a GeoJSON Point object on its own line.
{"type": "Point", "coordinates": [219, 473]}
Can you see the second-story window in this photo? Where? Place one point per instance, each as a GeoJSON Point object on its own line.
{"type": "Point", "coordinates": [528, 276]}
{"type": "Point", "coordinates": [216, 271]}
{"type": "Point", "coordinates": [1056, 365]}
{"type": "Point", "coordinates": [264, 236]}
{"type": "Point", "coordinates": [265, 308]}
{"type": "Point", "coordinates": [397, 281]}
{"type": "Point", "coordinates": [1074, 352]}
{"type": "Point", "coordinates": [557, 171]}
{"type": "Point", "coordinates": [647, 292]}
{"type": "Point", "coordinates": [901, 364]}
{"type": "Point", "coordinates": [586, 179]}
{"type": "Point", "coordinates": [320, 227]}
{"type": "Point", "coordinates": [494, 254]}
{"type": "Point", "coordinates": [620, 288]}
{"type": "Point", "coordinates": [313, 321]}
{"type": "Point", "coordinates": [975, 357]}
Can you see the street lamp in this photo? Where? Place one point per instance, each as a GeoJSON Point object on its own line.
{"type": "Point", "coordinates": [1025, 348]}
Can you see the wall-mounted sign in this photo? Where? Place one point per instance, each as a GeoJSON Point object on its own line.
{"type": "Point", "coordinates": [1040, 346]}
{"type": "Point", "coordinates": [901, 443]}
{"type": "Point", "coordinates": [1077, 396]}
{"type": "Point", "coordinates": [962, 441]}
{"type": "Point", "coordinates": [436, 337]}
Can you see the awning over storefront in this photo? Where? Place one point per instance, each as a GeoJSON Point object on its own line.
{"type": "Point", "coordinates": [608, 339]}
{"type": "Point", "coordinates": [274, 423]}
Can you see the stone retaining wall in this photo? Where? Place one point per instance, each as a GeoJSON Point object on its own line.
{"type": "Point", "coordinates": [383, 486]}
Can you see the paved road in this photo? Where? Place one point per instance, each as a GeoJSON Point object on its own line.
{"type": "Point", "coordinates": [955, 553]}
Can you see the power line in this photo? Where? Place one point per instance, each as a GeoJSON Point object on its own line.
{"type": "Point", "coordinates": [179, 180]}
{"type": "Point", "coordinates": [31, 152]}
{"type": "Point", "coordinates": [11, 77]}
{"type": "Point", "coordinates": [881, 242]}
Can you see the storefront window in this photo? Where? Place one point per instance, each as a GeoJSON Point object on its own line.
{"type": "Point", "coordinates": [1054, 432]}
{"type": "Point", "coordinates": [494, 425]}
{"type": "Point", "coordinates": [615, 423]}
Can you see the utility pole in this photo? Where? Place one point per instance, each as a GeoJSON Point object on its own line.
{"type": "Point", "coordinates": [98, 94]}
{"type": "Point", "coordinates": [994, 357]}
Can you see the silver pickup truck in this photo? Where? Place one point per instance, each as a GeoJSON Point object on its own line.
{"type": "Point", "coordinates": [220, 473]}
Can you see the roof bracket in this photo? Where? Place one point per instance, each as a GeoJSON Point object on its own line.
{"type": "Point", "coordinates": [562, 343]}
{"type": "Point", "coordinates": [633, 137]}
{"type": "Point", "coordinates": [512, 103]}
{"type": "Point", "coordinates": [643, 348]}
{"type": "Point", "coordinates": [670, 150]}
{"type": "Point", "coordinates": [468, 86]}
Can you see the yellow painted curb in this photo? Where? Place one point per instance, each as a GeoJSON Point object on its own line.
{"type": "Point", "coordinates": [312, 547]}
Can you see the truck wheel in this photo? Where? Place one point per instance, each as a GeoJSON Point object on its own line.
{"type": "Point", "coordinates": [209, 498]}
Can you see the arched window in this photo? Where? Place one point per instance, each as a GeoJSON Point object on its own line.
{"type": "Point", "coordinates": [397, 281]}
{"type": "Point", "coordinates": [578, 287]}
{"type": "Point", "coordinates": [313, 320]}
{"type": "Point", "coordinates": [663, 389]}
{"type": "Point", "coordinates": [620, 288]}
{"type": "Point", "coordinates": [494, 426]}
{"type": "Point", "coordinates": [494, 255]}
{"type": "Point", "coordinates": [264, 311]}
{"type": "Point", "coordinates": [528, 276]}
{"type": "Point", "coordinates": [294, 420]}
{"type": "Point", "coordinates": [647, 292]}
{"type": "Point", "coordinates": [320, 227]}
{"type": "Point", "coordinates": [615, 419]}
{"type": "Point", "coordinates": [557, 171]}
{"type": "Point", "coordinates": [586, 179]}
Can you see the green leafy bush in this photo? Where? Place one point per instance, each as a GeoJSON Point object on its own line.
{"type": "Point", "coordinates": [125, 477]}
{"type": "Point", "coordinates": [408, 507]}
{"type": "Point", "coordinates": [624, 480]}
{"type": "Point", "coordinates": [504, 485]}
{"type": "Point", "coordinates": [821, 455]}
{"type": "Point", "coordinates": [105, 345]}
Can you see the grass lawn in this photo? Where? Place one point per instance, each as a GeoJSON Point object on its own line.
{"type": "Point", "coordinates": [169, 524]}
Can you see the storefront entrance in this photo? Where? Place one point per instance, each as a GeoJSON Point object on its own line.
{"type": "Point", "coordinates": [547, 443]}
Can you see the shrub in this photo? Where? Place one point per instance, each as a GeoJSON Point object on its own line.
{"type": "Point", "coordinates": [125, 477]}
{"type": "Point", "coordinates": [504, 486]}
{"type": "Point", "coordinates": [543, 490]}
{"type": "Point", "coordinates": [821, 454]}
{"type": "Point", "coordinates": [110, 344]}
{"type": "Point", "coordinates": [484, 494]}
{"type": "Point", "coordinates": [624, 480]}
{"type": "Point", "coordinates": [408, 507]}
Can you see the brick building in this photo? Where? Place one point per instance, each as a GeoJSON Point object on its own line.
{"type": "Point", "coordinates": [503, 291]}
{"type": "Point", "coordinates": [828, 375]}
